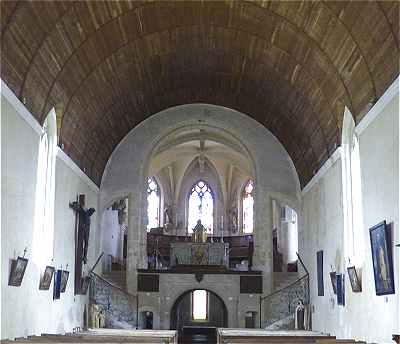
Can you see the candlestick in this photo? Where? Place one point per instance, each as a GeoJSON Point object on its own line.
{"type": "Point", "coordinates": [222, 234]}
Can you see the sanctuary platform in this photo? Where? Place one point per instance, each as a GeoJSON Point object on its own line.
{"type": "Point", "coordinates": [175, 250]}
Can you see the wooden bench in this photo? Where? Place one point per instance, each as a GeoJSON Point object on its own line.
{"type": "Point", "coordinates": [258, 336]}
{"type": "Point", "coordinates": [107, 336]}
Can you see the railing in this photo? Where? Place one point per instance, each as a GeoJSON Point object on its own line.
{"type": "Point", "coordinates": [280, 305]}
{"type": "Point", "coordinates": [121, 307]}
{"type": "Point", "coordinates": [307, 300]}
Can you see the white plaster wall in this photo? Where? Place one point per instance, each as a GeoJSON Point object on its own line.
{"type": "Point", "coordinates": [365, 316]}
{"type": "Point", "coordinates": [26, 310]}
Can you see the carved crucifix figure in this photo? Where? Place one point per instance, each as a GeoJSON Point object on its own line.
{"type": "Point", "coordinates": [81, 237]}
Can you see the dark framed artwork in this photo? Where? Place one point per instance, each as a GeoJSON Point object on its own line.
{"type": "Point", "coordinates": [18, 267]}
{"type": "Point", "coordinates": [340, 289]}
{"type": "Point", "coordinates": [57, 285]}
{"type": "Point", "coordinates": [355, 281]}
{"type": "Point", "coordinates": [64, 280]}
{"type": "Point", "coordinates": [332, 275]}
{"type": "Point", "coordinates": [148, 282]}
{"type": "Point", "coordinates": [45, 281]}
{"type": "Point", "coordinates": [381, 249]}
{"type": "Point", "coordinates": [320, 272]}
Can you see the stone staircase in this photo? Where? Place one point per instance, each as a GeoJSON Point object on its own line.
{"type": "Point", "coordinates": [280, 305]}
{"type": "Point", "coordinates": [109, 291]}
{"type": "Point", "coordinates": [118, 278]}
{"type": "Point", "coordinates": [284, 279]}
{"type": "Point", "coordinates": [283, 324]}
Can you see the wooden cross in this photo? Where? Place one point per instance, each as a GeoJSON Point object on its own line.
{"type": "Point", "coordinates": [78, 247]}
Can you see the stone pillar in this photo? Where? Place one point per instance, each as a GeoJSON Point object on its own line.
{"type": "Point", "coordinates": [288, 239]}
{"type": "Point", "coordinates": [180, 220]}
{"type": "Point", "coordinates": [284, 243]}
{"type": "Point", "coordinates": [137, 255]}
{"type": "Point", "coordinates": [262, 259]}
{"type": "Point", "coordinates": [293, 241]}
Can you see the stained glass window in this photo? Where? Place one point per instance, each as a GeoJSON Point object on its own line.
{"type": "Point", "coordinates": [201, 206]}
{"type": "Point", "coordinates": [248, 207]}
{"type": "Point", "coordinates": [153, 204]}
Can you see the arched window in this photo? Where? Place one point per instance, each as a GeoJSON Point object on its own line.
{"type": "Point", "coordinates": [153, 204]}
{"type": "Point", "coordinates": [248, 207]}
{"type": "Point", "coordinates": [201, 206]}
{"type": "Point", "coordinates": [351, 177]}
{"type": "Point", "coordinates": [45, 191]}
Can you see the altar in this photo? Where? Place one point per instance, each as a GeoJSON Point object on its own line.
{"type": "Point", "coordinates": [188, 253]}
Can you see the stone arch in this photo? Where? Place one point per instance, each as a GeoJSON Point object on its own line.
{"type": "Point", "coordinates": [272, 170]}
{"type": "Point", "coordinates": [185, 293]}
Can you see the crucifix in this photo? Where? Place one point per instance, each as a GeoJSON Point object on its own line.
{"type": "Point", "coordinates": [82, 230]}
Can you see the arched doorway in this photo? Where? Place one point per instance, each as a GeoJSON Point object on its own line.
{"type": "Point", "coordinates": [196, 314]}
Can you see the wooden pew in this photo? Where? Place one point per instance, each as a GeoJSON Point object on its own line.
{"type": "Point", "coordinates": [338, 341]}
{"type": "Point", "coordinates": [105, 336]}
{"type": "Point", "coordinates": [167, 336]}
{"type": "Point", "coordinates": [258, 336]}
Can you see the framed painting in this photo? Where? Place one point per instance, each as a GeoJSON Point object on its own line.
{"type": "Point", "coordinates": [45, 281]}
{"type": "Point", "coordinates": [320, 272]}
{"type": "Point", "coordinates": [332, 275]}
{"type": "Point", "coordinates": [381, 249]}
{"type": "Point", "coordinates": [57, 285]}
{"type": "Point", "coordinates": [340, 289]}
{"type": "Point", "coordinates": [18, 267]}
{"type": "Point", "coordinates": [355, 281]}
{"type": "Point", "coordinates": [64, 280]}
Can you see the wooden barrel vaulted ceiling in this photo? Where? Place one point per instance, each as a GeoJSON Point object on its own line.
{"type": "Point", "coordinates": [108, 65]}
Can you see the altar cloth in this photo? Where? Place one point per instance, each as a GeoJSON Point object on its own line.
{"type": "Point", "coordinates": [186, 253]}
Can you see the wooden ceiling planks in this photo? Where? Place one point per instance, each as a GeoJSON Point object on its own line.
{"type": "Point", "coordinates": [108, 65]}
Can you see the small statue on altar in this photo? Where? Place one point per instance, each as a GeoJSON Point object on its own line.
{"type": "Point", "coordinates": [199, 233]}
{"type": "Point", "coordinates": [168, 224]}
{"type": "Point", "coordinates": [233, 220]}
